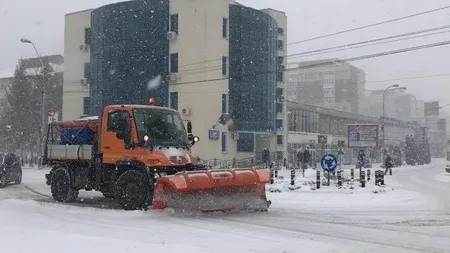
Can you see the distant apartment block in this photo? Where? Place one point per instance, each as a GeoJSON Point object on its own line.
{"type": "Point", "coordinates": [328, 83]}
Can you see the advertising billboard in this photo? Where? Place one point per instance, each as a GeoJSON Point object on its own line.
{"type": "Point", "coordinates": [362, 135]}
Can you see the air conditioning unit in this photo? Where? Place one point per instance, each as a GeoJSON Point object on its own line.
{"type": "Point", "coordinates": [172, 35]}
{"type": "Point", "coordinates": [84, 81]}
{"type": "Point", "coordinates": [172, 77]}
{"type": "Point", "coordinates": [186, 111]}
{"type": "Point", "coordinates": [84, 47]}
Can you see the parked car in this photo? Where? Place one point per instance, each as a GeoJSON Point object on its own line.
{"type": "Point", "coordinates": [10, 170]}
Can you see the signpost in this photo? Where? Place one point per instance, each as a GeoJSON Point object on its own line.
{"type": "Point", "coordinates": [340, 154]}
{"type": "Point", "coordinates": [361, 159]}
{"type": "Point", "coordinates": [329, 164]}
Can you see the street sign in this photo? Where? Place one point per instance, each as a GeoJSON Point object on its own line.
{"type": "Point", "coordinates": [361, 156]}
{"type": "Point", "coordinates": [362, 135]}
{"type": "Point", "coordinates": [341, 152]}
{"type": "Point", "coordinates": [52, 116]}
{"type": "Point", "coordinates": [329, 162]}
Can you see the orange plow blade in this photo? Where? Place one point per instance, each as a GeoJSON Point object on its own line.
{"type": "Point", "coordinates": [213, 190]}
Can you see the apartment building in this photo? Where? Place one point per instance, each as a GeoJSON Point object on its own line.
{"type": "Point", "coordinates": [329, 83]}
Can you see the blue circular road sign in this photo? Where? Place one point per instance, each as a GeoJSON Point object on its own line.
{"type": "Point", "coordinates": [329, 162]}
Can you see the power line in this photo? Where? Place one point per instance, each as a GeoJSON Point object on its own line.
{"type": "Point", "coordinates": [306, 54]}
{"type": "Point", "coordinates": [370, 25]}
{"type": "Point", "coordinates": [379, 39]}
{"type": "Point", "coordinates": [321, 64]}
{"type": "Point", "coordinates": [309, 85]}
{"type": "Point", "coordinates": [352, 44]}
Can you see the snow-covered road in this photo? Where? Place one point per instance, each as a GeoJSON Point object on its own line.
{"type": "Point", "coordinates": [412, 215]}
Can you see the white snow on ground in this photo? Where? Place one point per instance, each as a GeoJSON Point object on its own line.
{"type": "Point", "coordinates": [443, 177]}
{"type": "Point", "coordinates": [305, 196]}
{"type": "Point", "coordinates": [327, 220]}
{"type": "Point", "coordinates": [28, 226]}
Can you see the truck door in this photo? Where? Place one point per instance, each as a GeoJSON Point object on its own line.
{"type": "Point", "coordinates": [114, 141]}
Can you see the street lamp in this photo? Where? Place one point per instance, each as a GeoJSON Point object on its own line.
{"type": "Point", "coordinates": [43, 112]}
{"type": "Point", "coordinates": [392, 87]}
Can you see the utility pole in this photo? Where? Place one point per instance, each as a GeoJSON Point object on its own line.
{"type": "Point", "coordinates": [44, 98]}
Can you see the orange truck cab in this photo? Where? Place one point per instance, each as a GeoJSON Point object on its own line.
{"type": "Point", "coordinates": [131, 151]}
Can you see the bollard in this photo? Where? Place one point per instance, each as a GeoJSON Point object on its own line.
{"type": "Point", "coordinates": [271, 177]}
{"type": "Point", "coordinates": [368, 175]}
{"type": "Point", "coordinates": [363, 179]}
{"type": "Point", "coordinates": [276, 173]}
{"type": "Point", "coordinates": [352, 173]}
{"type": "Point", "coordinates": [390, 171]}
{"type": "Point", "coordinates": [339, 178]}
{"type": "Point", "coordinates": [293, 177]}
{"type": "Point", "coordinates": [318, 179]}
{"type": "Point", "coordinates": [379, 177]}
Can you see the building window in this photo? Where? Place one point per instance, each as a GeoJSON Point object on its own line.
{"type": "Point", "coordinates": [280, 44]}
{"type": "Point", "coordinates": [279, 107]}
{"type": "Point", "coordinates": [87, 70]}
{"type": "Point", "coordinates": [279, 123]}
{"type": "Point", "coordinates": [86, 102]}
{"type": "Point", "coordinates": [174, 23]}
{"type": "Point", "coordinates": [87, 35]}
{"type": "Point", "coordinates": [174, 100]}
{"type": "Point", "coordinates": [224, 103]}
{"type": "Point", "coordinates": [224, 141]}
{"type": "Point", "coordinates": [280, 139]}
{"type": "Point", "coordinates": [280, 31]}
{"type": "Point", "coordinates": [174, 63]}
{"type": "Point", "coordinates": [224, 65]}
{"type": "Point", "coordinates": [246, 142]}
{"type": "Point", "coordinates": [225, 28]}
{"type": "Point", "coordinates": [280, 76]}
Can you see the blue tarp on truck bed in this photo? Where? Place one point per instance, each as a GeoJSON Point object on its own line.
{"type": "Point", "coordinates": [77, 136]}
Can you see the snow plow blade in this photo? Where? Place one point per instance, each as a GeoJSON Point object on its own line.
{"type": "Point", "coordinates": [213, 190]}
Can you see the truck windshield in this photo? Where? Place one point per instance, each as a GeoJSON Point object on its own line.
{"type": "Point", "coordinates": [165, 128]}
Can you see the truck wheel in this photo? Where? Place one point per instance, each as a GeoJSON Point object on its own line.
{"type": "Point", "coordinates": [131, 190]}
{"type": "Point", "coordinates": [61, 186]}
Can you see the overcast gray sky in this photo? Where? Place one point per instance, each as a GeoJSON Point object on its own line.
{"type": "Point", "coordinates": [43, 22]}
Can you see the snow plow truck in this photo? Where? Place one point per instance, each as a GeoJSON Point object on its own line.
{"type": "Point", "coordinates": [140, 155]}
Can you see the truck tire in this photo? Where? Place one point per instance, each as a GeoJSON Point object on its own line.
{"type": "Point", "coordinates": [132, 190]}
{"type": "Point", "coordinates": [61, 186]}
